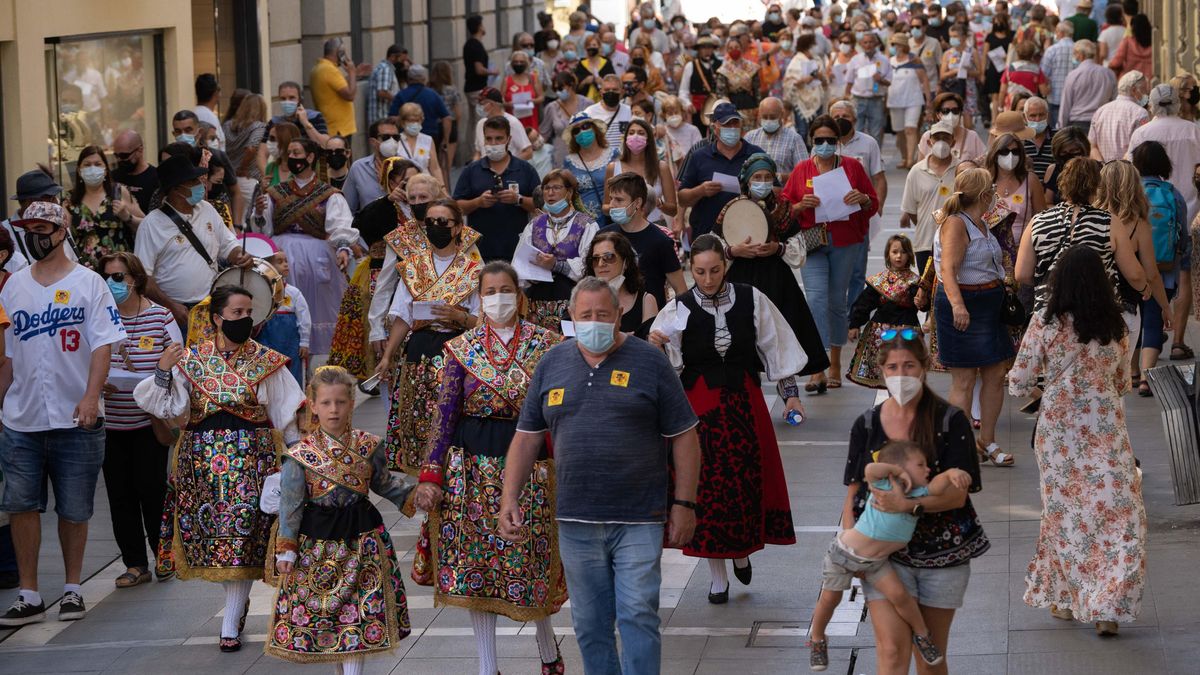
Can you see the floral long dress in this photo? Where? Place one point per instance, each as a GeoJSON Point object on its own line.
{"type": "Point", "coordinates": [1091, 550]}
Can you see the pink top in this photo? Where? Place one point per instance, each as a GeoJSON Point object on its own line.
{"type": "Point", "coordinates": [1132, 56]}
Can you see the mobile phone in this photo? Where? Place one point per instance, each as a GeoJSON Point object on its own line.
{"type": "Point", "coordinates": [515, 187]}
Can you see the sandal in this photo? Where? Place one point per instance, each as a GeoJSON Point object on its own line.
{"type": "Point", "coordinates": [230, 644]}
{"type": "Point", "coordinates": [1063, 613]}
{"type": "Point", "coordinates": [1143, 390]}
{"type": "Point", "coordinates": [835, 383]}
{"type": "Point", "coordinates": [1181, 352]}
{"type": "Point", "coordinates": [992, 452]}
{"type": "Point", "coordinates": [130, 579]}
{"type": "Point", "coordinates": [1106, 628]}
{"type": "Point", "coordinates": [816, 388]}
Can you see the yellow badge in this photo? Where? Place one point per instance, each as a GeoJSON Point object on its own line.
{"type": "Point", "coordinates": [287, 301]}
{"type": "Point", "coordinates": [145, 343]}
{"type": "Point", "coordinates": [619, 378]}
{"type": "Point", "coordinates": [1017, 199]}
{"type": "Point", "coordinates": [62, 297]}
{"type": "Point", "coordinates": [555, 397]}
{"type": "Point", "coordinates": [808, 183]}
{"type": "Point", "coordinates": [928, 54]}
{"type": "Point", "coordinates": [943, 190]}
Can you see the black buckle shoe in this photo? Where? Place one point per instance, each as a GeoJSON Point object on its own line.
{"type": "Point", "coordinates": [719, 598]}
{"type": "Point", "coordinates": [744, 574]}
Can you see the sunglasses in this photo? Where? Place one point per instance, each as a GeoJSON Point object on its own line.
{"type": "Point", "coordinates": [439, 222]}
{"type": "Point", "coordinates": [580, 129]}
{"type": "Point", "coordinates": [126, 155]}
{"type": "Point", "coordinates": [606, 258]}
{"type": "Point", "coordinates": [824, 141]}
{"type": "Point", "coordinates": [118, 277]}
{"type": "Point", "coordinates": [904, 333]}
{"type": "Point", "coordinates": [1007, 151]}
{"type": "Point", "coordinates": [949, 111]}
{"type": "Point", "coordinates": [388, 137]}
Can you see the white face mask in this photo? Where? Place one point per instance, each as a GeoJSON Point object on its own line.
{"type": "Point", "coordinates": [674, 121]}
{"type": "Point", "coordinates": [272, 148]}
{"type": "Point", "coordinates": [940, 149]}
{"type": "Point", "coordinates": [952, 119]}
{"type": "Point", "coordinates": [616, 282]}
{"type": "Point", "coordinates": [495, 153]}
{"type": "Point", "coordinates": [389, 148]}
{"type": "Point", "coordinates": [1008, 162]}
{"type": "Point", "coordinates": [213, 144]}
{"type": "Point", "coordinates": [552, 44]}
{"type": "Point", "coordinates": [500, 307]}
{"type": "Point", "coordinates": [844, 48]}
{"type": "Point", "coordinates": [904, 388]}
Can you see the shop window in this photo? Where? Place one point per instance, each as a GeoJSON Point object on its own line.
{"type": "Point", "coordinates": [99, 87]}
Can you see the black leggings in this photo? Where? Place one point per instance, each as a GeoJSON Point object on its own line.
{"type": "Point", "coordinates": [135, 477]}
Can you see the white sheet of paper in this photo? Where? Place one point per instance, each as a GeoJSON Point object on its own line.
{"type": "Point", "coordinates": [728, 183]}
{"type": "Point", "coordinates": [682, 314]}
{"type": "Point", "coordinates": [423, 310]}
{"type": "Point", "coordinates": [126, 380]}
{"type": "Point", "coordinates": [523, 262]}
{"type": "Point", "coordinates": [964, 65]}
{"type": "Point", "coordinates": [831, 188]}
{"type": "Point", "coordinates": [568, 328]}
{"type": "Point", "coordinates": [867, 72]}
{"type": "Point", "coordinates": [997, 57]}
{"type": "Point", "coordinates": [522, 97]}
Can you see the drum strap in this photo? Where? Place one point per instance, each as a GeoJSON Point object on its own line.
{"type": "Point", "coordinates": [187, 231]}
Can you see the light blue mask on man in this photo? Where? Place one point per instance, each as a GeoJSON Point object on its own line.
{"type": "Point", "coordinates": [595, 336]}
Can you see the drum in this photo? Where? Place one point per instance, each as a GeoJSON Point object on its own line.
{"type": "Point", "coordinates": [742, 218]}
{"type": "Point", "coordinates": [264, 283]}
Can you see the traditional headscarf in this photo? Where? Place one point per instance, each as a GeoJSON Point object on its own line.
{"type": "Point", "coordinates": [756, 162]}
{"type": "Point", "coordinates": [387, 171]}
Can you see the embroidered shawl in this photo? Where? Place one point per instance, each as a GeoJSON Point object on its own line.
{"type": "Point", "coordinates": [329, 464]}
{"type": "Point", "coordinates": [219, 385]}
{"type": "Point", "coordinates": [301, 209]}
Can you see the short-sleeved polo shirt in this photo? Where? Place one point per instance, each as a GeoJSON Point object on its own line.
{"type": "Point", "coordinates": [500, 224]}
{"type": "Point", "coordinates": [703, 162]}
{"type": "Point", "coordinates": [609, 426]}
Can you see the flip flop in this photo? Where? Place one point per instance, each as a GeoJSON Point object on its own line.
{"type": "Point", "coordinates": [129, 579]}
{"type": "Point", "coordinates": [835, 383]}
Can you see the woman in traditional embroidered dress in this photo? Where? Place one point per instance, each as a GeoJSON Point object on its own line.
{"type": "Point", "coordinates": [771, 267]}
{"type": "Point", "coordinates": [723, 335]}
{"type": "Point", "coordinates": [279, 137]}
{"type": "Point", "coordinates": [437, 301]}
{"type": "Point", "coordinates": [737, 80]}
{"type": "Point", "coordinates": [340, 595]}
{"type": "Point", "coordinates": [483, 386]}
{"type": "Point", "coordinates": [888, 302]}
{"type": "Point", "coordinates": [241, 404]}
{"type": "Point", "coordinates": [563, 235]}
{"type": "Point", "coordinates": [351, 347]}
{"type": "Point", "coordinates": [311, 224]}
{"type": "Point", "coordinates": [1090, 563]}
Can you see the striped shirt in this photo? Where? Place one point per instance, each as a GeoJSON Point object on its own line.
{"type": "Point", "coordinates": [1053, 233]}
{"type": "Point", "coordinates": [1113, 125]}
{"type": "Point", "coordinates": [1040, 158]}
{"type": "Point", "coordinates": [983, 261]}
{"type": "Point", "coordinates": [149, 333]}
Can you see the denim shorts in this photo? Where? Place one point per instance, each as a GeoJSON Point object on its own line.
{"type": "Point", "coordinates": [70, 458]}
{"type": "Point", "coordinates": [841, 564]}
{"type": "Point", "coordinates": [938, 587]}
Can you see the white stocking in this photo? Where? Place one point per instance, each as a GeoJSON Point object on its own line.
{"type": "Point", "coordinates": [547, 648]}
{"type": "Point", "coordinates": [484, 625]}
{"type": "Point", "coordinates": [236, 593]}
{"type": "Point", "coordinates": [975, 412]}
{"type": "Point", "coordinates": [353, 667]}
{"type": "Point", "coordinates": [720, 575]}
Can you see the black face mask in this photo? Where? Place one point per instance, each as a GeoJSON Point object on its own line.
{"type": "Point", "coordinates": [336, 162]}
{"type": "Point", "coordinates": [845, 127]}
{"type": "Point", "coordinates": [639, 62]}
{"type": "Point", "coordinates": [237, 330]}
{"type": "Point", "coordinates": [297, 165]}
{"type": "Point", "coordinates": [1194, 97]}
{"type": "Point", "coordinates": [40, 245]}
{"type": "Point", "coordinates": [611, 98]}
{"type": "Point", "coordinates": [217, 191]}
{"type": "Point", "coordinates": [519, 68]}
{"type": "Point", "coordinates": [592, 51]}
{"type": "Point", "coordinates": [126, 165]}
{"type": "Point", "coordinates": [439, 237]}
{"type": "Point", "coordinates": [419, 210]}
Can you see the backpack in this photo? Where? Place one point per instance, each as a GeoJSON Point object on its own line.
{"type": "Point", "coordinates": [1163, 218]}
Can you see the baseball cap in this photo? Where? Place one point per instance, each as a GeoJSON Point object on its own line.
{"type": "Point", "coordinates": [40, 212]}
{"type": "Point", "coordinates": [491, 94]}
{"type": "Point", "coordinates": [941, 127]}
{"type": "Point", "coordinates": [724, 112]}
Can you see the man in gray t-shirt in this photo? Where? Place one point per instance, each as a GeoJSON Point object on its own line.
{"type": "Point", "coordinates": [612, 404]}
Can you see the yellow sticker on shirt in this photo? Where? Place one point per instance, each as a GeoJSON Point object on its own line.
{"type": "Point", "coordinates": [555, 397]}
{"type": "Point", "coordinates": [808, 183]}
{"type": "Point", "coordinates": [62, 297]}
{"type": "Point", "coordinates": [287, 301]}
{"type": "Point", "coordinates": [1017, 199]}
{"type": "Point", "coordinates": [619, 378]}
{"type": "Point", "coordinates": [943, 190]}
{"type": "Point", "coordinates": [928, 54]}
{"type": "Point", "coordinates": [145, 343]}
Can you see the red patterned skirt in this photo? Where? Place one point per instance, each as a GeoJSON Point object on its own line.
{"type": "Point", "coordinates": [742, 503]}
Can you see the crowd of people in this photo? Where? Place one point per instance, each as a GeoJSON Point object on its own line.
{"type": "Point", "coordinates": [609, 229]}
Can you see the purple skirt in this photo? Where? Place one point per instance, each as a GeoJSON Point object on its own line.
{"type": "Point", "coordinates": [313, 269]}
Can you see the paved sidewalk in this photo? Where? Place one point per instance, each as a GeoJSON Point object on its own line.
{"type": "Point", "coordinates": [173, 627]}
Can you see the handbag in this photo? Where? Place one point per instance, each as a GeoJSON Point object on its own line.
{"type": "Point", "coordinates": [1012, 311]}
{"type": "Point", "coordinates": [814, 237]}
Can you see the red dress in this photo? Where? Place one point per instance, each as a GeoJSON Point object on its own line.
{"type": "Point", "coordinates": [511, 89]}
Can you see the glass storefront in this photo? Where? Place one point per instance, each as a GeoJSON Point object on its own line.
{"type": "Point", "coordinates": [98, 87]}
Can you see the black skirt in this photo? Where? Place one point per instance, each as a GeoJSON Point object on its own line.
{"type": "Point", "coordinates": [774, 279]}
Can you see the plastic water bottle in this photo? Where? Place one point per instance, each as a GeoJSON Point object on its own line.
{"type": "Point", "coordinates": [794, 417]}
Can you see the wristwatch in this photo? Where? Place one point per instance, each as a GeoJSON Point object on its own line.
{"type": "Point", "coordinates": [918, 510]}
{"type": "Point", "coordinates": [684, 503]}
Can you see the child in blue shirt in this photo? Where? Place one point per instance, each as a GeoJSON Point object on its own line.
{"type": "Point", "coordinates": [864, 549]}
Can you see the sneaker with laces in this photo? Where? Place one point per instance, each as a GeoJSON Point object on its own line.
{"type": "Point", "coordinates": [818, 657]}
{"type": "Point", "coordinates": [22, 613]}
{"type": "Point", "coordinates": [71, 608]}
{"type": "Point", "coordinates": [929, 651]}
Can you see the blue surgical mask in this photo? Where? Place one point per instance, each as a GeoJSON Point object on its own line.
{"type": "Point", "coordinates": [1074, 62]}
{"type": "Point", "coordinates": [730, 135]}
{"type": "Point", "coordinates": [1144, 100]}
{"type": "Point", "coordinates": [196, 195]}
{"type": "Point", "coordinates": [585, 138]}
{"type": "Point", "coordinates": [564, 94]}
{"type": "Point", "coordinates": [917, 33]}
{"type": "Point", "coordinates": [620, 215]}
{"type": "Point", "coordinates": [770, 126]}
{"type": "Point", "coordinates": [557, 207]}
{"type": "Point", "coordinates": [596, 336]}
{"type": "Point", "coordinates": [605, 48]}
{"type": "Point", "coordinates": [824, 150]}
{"type": "Point", "coordinates": [955, 42]}
{"type": "Point", "coordinates": [288, 107]}
{"type": "Point", "coordinates": [935, 22]}
{"type": "Point", "coordinates": [1039, 127]}
{"type": "Point", "coordinates": [892, 50]}
{"type": "Point", "coordinates": [190, 139]}
{"type": "Point", "coordinates": [760, 189]}
{"type": "Point", "coordinates": [570, 55]}
{"type": "Point", "coordinates": [120, 290]}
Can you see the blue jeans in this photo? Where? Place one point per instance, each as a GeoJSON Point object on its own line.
{"type": "Point", "coordinates": [870, 117]}
{"type": "Point", "coordinates": [70, 458]}
{"type": "Point", "coordinates": [613, 575]}
{"type": "Point", "coordinates": [826, 278]}
{"type": "Point", "coordinates": [858, 278]}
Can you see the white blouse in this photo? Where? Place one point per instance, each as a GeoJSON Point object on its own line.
{"type": "Point", "coordinates": [777, 346]}
{"type": "Point", "coordinates": [278, 392]}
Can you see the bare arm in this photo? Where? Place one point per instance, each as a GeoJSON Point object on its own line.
{"type": "Point", "coordinates": [954, 247]}
{"type": "Point", "coordinates": [1127, 259]}
{"type": "Point", "coordinates": [1024, 267]}
{"type": "Point", "coordinates": [685, 450]}
{"type": "Point", "coordinates": [949, 479]}
{"type": "Point", "coordinates": [1145, 254]}
{"type": "Point", "coordinates": [676, 281]}
{"type": "Point", "coordinates": [881, 471]}
{"type": "Point", "coordinates": [670, 201]}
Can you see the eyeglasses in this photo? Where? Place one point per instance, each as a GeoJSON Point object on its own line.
{"type": "Point", "coordinates": [388, 137]}
{"type": "Point", "coordinates": [580, 129]}
{"type": "Point", "coordinates": [904, 333]}
{"type": "Point", "coordinates": [118, 277]}
{"type": "Point", "coordinates": [126, 155]}
{"type": "Point", "coordinates": [949, 111]}
{"type": "Point", "coordinates": [824, 141]}
{"type": "Point", "coordinates": [439, 222]}
{"type": "Point", "coordinates": [553, 187]}
{"type": "Point", "coordinates": [606, 258]}
{"type": "Point", "coordinates": [1007, 151]}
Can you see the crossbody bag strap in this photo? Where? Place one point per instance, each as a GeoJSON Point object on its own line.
{"type": "Point", "coordinates": [187, 231]}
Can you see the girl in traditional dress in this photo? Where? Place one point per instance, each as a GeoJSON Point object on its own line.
{"type": "Point", "coordinates": [771, 267]}
{"type": "Point", "coordinates": [888, 302]}
{"type": "Point", "coordinates": [340, 595]}
{"type": "Point", "coordinates": [483, 386]}
{"type": "Point", "coordinates": [723, 335]}
{"type": "Point", "coordinates": [238, 397]}
{"type": "Point", "coordinates": [440, 268]}
{"type": "Point", "coordinates": [563, 235]}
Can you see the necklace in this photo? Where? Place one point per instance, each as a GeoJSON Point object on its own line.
{"type": "Point", "coordinates": [498, 353]}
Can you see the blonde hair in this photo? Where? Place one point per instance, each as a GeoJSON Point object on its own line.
{"type": "Point", "coordinates": [969, 188]}
{"type": "Point", "coordinates": [429, 181]}
{"type": "Point", "coordinates": [410, 111]}
{"type": "Point", "coordinates": [1121, 193]}
{"type": "Point", "coordinates": [329, 376]}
